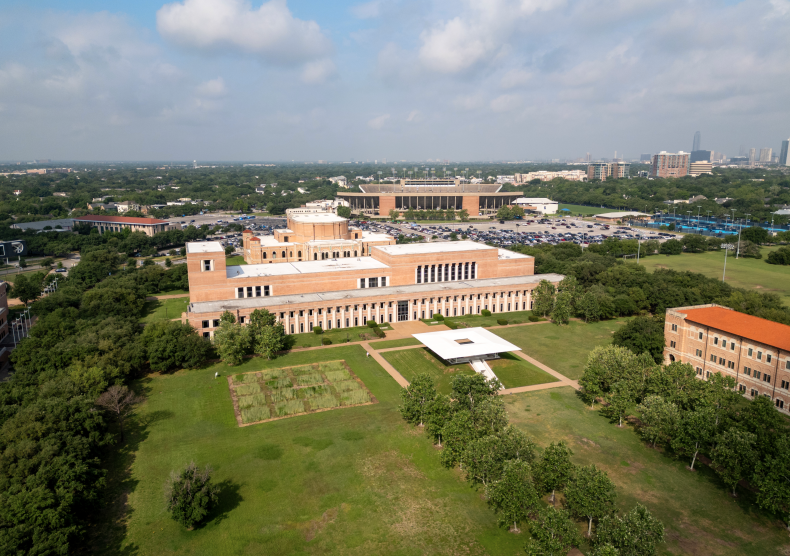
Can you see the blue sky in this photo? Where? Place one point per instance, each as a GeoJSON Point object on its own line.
{"type": "Point", "coordinates": [394, 79]}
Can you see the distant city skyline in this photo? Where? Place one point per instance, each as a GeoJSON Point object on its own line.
{"type": "Point", "coordinates": [395, 79]}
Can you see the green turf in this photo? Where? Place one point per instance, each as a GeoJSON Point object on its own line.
{"type": "Point", "coordinates": [336, 335]}
{"type": "Point", "coordinates": [752, 274]}
{"type": "Point", "coordinates": [164, 309]}
{"type": "Point", "coordinates": [386, 344]}
{"type": "Point", "coordinates": [513, 317]}
{"type": "Point", "coordinates": [235, 260]}
{"type": "Point", "coordinates": [512, 371]}
{"type": "Point", "coordinates": [409, 362]}
{"type": "Point", "coordinates": [699, 516]}
{"type": "Point", "coordinates": [171, 292]}
{"type": "Point", "coordinates": [563, 348]}
{"type": "Point", "coordinates": [347, 481]}
{"type": "Point", "coordinates": [581, 209]}
{"type": "Point", "coordinates": [11, 276]}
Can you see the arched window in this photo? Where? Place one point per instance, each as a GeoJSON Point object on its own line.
{"type": "Point", "coordinates": [283, 254]}
{"type": "Point", "coordinates": [299, 254]}
{"type": "Point", "coordinates": [290, 253]}
{"type": "Point", "coordinates": [315, 256]}
{"type": "Point", "coordinates": [264, 255]}
{"type": "Point", "coordinates": [355, 254]}
{"type": "Point", "coordinates": [274, 254]}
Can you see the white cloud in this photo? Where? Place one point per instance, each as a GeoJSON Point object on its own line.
{"type": "Point", "coordinates": [368, 10]}
{"type": "Point", "coordinates": [378, 122]}
{"type": "Point", "coordinates": [215, 88]}
{"type": "Point", "coordinates": [270, 31]}
{"type": "Point", "coordinates": [414, 116]}
{"type": "Point", "coordinates": [318, 71]}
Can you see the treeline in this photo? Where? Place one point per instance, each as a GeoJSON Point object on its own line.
{"type": "Point", "coordinates": [601, 286]}
{"type": "Point", "coordinates": [472, 430]}
{"type": "Point", "coordinates": [691, 419]}
{"type": "Point", "coordinates": [53, 435]}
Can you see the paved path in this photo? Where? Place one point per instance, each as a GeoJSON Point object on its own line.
{"type": "Point", "coordinates": [398, 348]}
{"type": "Point", "coordinates": [562, 378]}
{"type": "Point", "coordinates": [387, 367]}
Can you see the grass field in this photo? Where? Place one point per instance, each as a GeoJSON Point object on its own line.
{"type": "Point", "coordinates": [699, 517]}
{"type": "Point", "coordinates": [581, 209]}
{"type": "Point", "coordinates": [337, 335]}
{"type": "Point", "coordinates": [235, 260]}
{"type": "Point", "coordinates": [164, 309]}
{"type": "Point", "coordinates": [563, 348]}
{"type": "Point", "coordinates": [386, 344]}
{"type": "Point", "coordinates": [513, 317]}
{"type": "Point", "coordinates": [752, 274]}
{"type": "Point", "coordinates": [11, 276]}
{"type": "Point", "coordinates": [356, 481]}
{"type": "Point", "coordinates": [514, 370]}
{"type": "Point", "coordinates": [171, 292]}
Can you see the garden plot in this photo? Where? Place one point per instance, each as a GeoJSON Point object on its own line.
{"type": "Point", "coordinates": [288, 391]}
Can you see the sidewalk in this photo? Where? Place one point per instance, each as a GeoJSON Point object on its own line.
{"type": "Point", "coordinates": [387, 367]}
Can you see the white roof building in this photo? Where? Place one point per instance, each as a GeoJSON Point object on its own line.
{"type": "Point", "coordinates": [537, 204]}
{"type": "Point", "coordinates": [465, 344]}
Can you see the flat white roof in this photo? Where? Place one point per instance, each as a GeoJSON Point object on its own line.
{"type": "Point", "coordinates": [540, 200]}
{"type": "Point", "coordinates": [507, 254]}
{"type": "Point", "coordinates": [464, 342]}
{"type": "Point", "coordinates": [316, 217]}
{"type": "Point", "coordinates": [435, 247]}
{"type": "Point", "coordinates": [204, 247]}
{"type": "Point", "coordinates": [621, 214]}
{"type": "Point", "coordinates": [304, 267]}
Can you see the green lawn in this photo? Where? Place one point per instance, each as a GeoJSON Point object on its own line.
{"type": "Point", "coordinates": [699, 516]}
{"type": "Point", "coordinates": [753, 274]}
{"type": "Point", "coordinates": [513, 317]}
{"type": "Point", "coordinates": [386, 344]}
{"type": "Point", "coordinates": [409, 362]}
{"type": "Point", "coordinates": [581, 209]}
{"type": "Point", "coordinates": [164, 309]}
{"type": "Point", "coordinates": [337, 335]}
{"type": "Point", "coordinates": [563, 348]}
{"type": "Point", "coordinates": [235, 260]}
{"type": "Point", "coordinates": [171, 292]}
{"type": "Point", "coordinates": [11, 276]}
{"type": "Point", "coordinates": [512, 371]}
{"type": "Point", "coordinates": [353, 480]}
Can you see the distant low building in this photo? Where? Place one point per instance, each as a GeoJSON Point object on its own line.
{"type": "Point", "coordinates": [105, 223]}
{"type": "Point", "coordinates": [126, 206]}
{"type": "Point", "coordinates": [697, 198]}
{"type": "Point", "coordinates": [604, 170]}
{"type": "Point", "coordinates": [59, 224]}
{"type": "Point", "coordinates": [612, 217]}
{"type": "Point", "coordinates": [699, 168]}
{"type": "Point", "coordinates": [341, 181]}
{"type": "Point", "coordinates": [569, 175]}
{"type": "Point", "coordinates": [107, 207]}
{"type": "Point", "coordinates": [537, 204]}
{"type": "Point", "coordinates": [60, 194]}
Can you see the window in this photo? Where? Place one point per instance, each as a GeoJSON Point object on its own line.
{"type": "Point", "coordinates": [754, 393]}
{"type": "Point", "coordinates": [787, 364]}
{"type": "Point", "coordinates": [750, 352]}
{"type": "Point", "coordinates": [699, 371]}
{"type": "Point", "coordinates": [759, 355]}
{"type": "Point", "coordinates": [205, 324]}
{"type": "Point", "coordinates": [699, 352]}
{"type": "Point", "coordinates": [724, 344]}
{"type": "Point", "coordinates": [780, 404]}
{"type": "Point", "coordinates": [767, 378]}
{"type": "Point", "coordinates": [756, 374]}
{"type": "Point", "coordinates": [767, 357]}
{"type": "Point", "coordinates": [731, 365]}
{"type": "Point", "coordinates": [361, 282]}
{"type": "Point", "coordinates": [309, 312]}
{"type": "Point", "coordinates": [239, 293]}
{"type": "Point", "coordinates": [674, 328]}
{"type": "Point", "coordinates": [249, 291]}
{"type": "Point", "coordinates": [473, 270]}
{"type": "Point", "coordinates": [383, 281]}
{"type": "Point", "coordinates": [241, 320]}
{"type": "Point", "coordinates": [715, 341]}
{"type": "Point", "coordinates": [216, 323]}
{"type": "Point", "coordinates": [257, 291]}
{"type": "Point", "coordinates": [373, 282]}
{"type": "Point", "coordinates": [732, 346]}
{"type": "Point", "coordinates": [741, 388]}
{"type": "Point", "coordinates": [700, 335]}
{"type": "Point", "coordinates": [419, 274]}
{"type": "Point", "coordinates": [713, 358]}
{"type": "Point", "coordinates": [747, 371]}
{"type": "Point", "coordinates": [785, 385]}
{"type": "Point", "coordinates": [208, 265]}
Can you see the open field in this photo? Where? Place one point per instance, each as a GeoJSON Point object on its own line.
{"type": "Point", "coordinates": [11, 276]}
{"type": "Point", "coordinates": [164, 309]}
{"type": "Point", "coordinates": [386, 344]}
{"type": "Point", "coordinates": [563, 348]}
{"type": "Point", "coordinates": [171, 292]}
{"type": "Point", "coordinates": [235, 260]}
{"type": "Point", "coordinates": [581, 209]}
{"type": "Point", "coordinates": [409, 362]}
{"type": "Point", "coordinates": [699, 516]}
{"type": "Point", "coordinates": [290, 391]}
{"type": "Point", "coordinates": [512, 371]}
{"type": "Point", "coordinates": [751, 274]}
{"type": "Point", "coordinates": [513, 317]}
{"type": "Point", "coordinates": [356, 481]}
{"type": "Point", "coordinates": [336, 335]}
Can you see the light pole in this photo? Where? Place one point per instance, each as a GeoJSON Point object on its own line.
{"type": "Point", "coordinates": [698, 226]}
{"type": "Point", "coordinates": [738, 252]}
{"type": "Point", "coordinates": [724, 272]}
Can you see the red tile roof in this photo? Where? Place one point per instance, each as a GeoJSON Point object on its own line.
{"type": "Point", "coordinates": [741, 324]}
{"type": "Point", "coordinates": [120, 219]}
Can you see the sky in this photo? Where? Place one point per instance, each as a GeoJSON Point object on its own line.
{"type": "Point", "coordinates": [398, 80]}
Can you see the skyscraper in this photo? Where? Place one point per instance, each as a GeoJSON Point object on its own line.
{"type": "Point", "coordinates": [784, 157]}
{"type": "Point", "coordinates": [697, 141]}
{"type": "Point", "coordinates": [765, 155]}
{"type": "Point", "coordinates": [751, 156]}
{"type": "Point", "coordinates": [670, 165]}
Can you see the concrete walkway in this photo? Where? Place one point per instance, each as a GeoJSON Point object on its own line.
{"type": "Point", "coordinates": [387, 367]}
{"type": "Point", "coordinates": [562, 378]}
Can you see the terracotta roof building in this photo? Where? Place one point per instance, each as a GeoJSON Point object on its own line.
{"type": "Point", "coordinates": [105, 223]}
{"type": "Point", "coordinates": [716, 339]}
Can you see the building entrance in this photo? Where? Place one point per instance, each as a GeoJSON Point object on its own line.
{"type": "Point", "coordinates": [403, 310]}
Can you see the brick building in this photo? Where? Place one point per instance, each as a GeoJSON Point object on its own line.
{"type": "Point", "coordinates": [669, 165]}
{"type": "Point", "coordinates": [311, 237]}
{"type": "Point", "coordinates": [479, 199]}
{"type": "Point", "coordinates": [716, 339]}
{"type": "Point", "coordinates": [148, 226]}
{"type": "Point", "coordinates": [394, 283]}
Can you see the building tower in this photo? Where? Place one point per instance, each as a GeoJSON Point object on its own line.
{"type": "Point", "coordinates": [784, 156]}
{"type": "Point", "coordinates": [697, 141]}
{"type": "Point", "coordinates": [765, 155]}
{"type": "Point", "coordinates": [751, 156]}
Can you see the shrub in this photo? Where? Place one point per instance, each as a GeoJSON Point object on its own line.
{"type": "Point", "coordinates": [485, 313]}
{"type": "Point", "coordinates": [503, 322]}
{"type": "Point", "coordinates": [190, 495]}
{"type": "Point", "coordinates": [438, 316]}
{"type": "Point", "coordinates": [379, 332]}
{"type": "Point", "coordinates": [450, 324]}
{"type": "Point", "coordinates": [318, 330]}
{"type": "Point", "coordinates": [372, 324]}
{"type": "Point", "coordinates": [326, 341]}
{"type": "Point", "coordinates": [533, 318]}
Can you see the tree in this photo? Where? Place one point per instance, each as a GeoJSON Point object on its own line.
{"type": "Point", "coordinates": [513, 497]}
{"type": "Point", "coordinates": [22, 262]}
{"type": "Point", "coordinates": [772, 479]}
{"type": "Point", "coordinates": [483, 460]}
{"type": "Point", "coordinates": [47, 263]}
{"type": "Point", "coordinates": [620, 398]}
{"type": "Point", "coordinates": [671, 247]}
{"type": "Point", "coordinates": [543, 298]}
{"type": "Point", "coordinates": [344, 212]}
{"type": "Point", "coordinates": [588, 308]}
{"type": "Point", "coordinates": [554, 468]}
{"type": "Point", "coordinates": [469, 390]}
{"type": "Point", "coordinates": [606, 549]}
{"type": "Point", "coordinates": [694, 243]}
{"type": "Point", "coordinates": [590, 494]}
{"type": "Point", "coordinates": [394, 214]}
{"type": "Point", "coordinates": [416, 397]}
{"type": "Point", "coordinates": [734, 456]}
{"type": "Point", "coordinates": [119, 401]}
{"type": "Point", "coordinates": [437, 413]}
{"type": "Point", "coordinates": [749, 249]}
{"type": "Point", "coordinates": [504, 213]}
{"type": "Point", "coordinates": [27, 288]}
{"type": "Point", "coordinates": [269, 340]}
{"type": "Point", "coordinates": [637, 533]}
{"type": "Point", "coordinates": [231, 340]}
{"type": "Point", "coordinates": [659, 419]}
{"type": "Point", "coordinates": [463, 214]}
{"type": "Point", "coordinates": [515, 444]}
{"type": "Point", "coordinates": [781, 256]}
{"type": "Point", "coordinates": [755, 234]}
{"type": "Point", "coordinates": [190, 495]}
{"type": "Point", "coordinates": [458, 432]}
{"type": "Point", "coordinates": [168, 262]}
{"type": "Point", "coordinates": [695, 429]}
{"type": "Point", "coordinates": [171, 344]}
{"type": "Point", "coordinates": [642, 335]}
{"type": "Point", "coordinates": [229, 250]}
{"type": "Point", "coordinates": [561, 312]}
{"type": "Point", "coordinates": [553, 534]}
{"type": "Point", "coordinates": [605, 366]}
